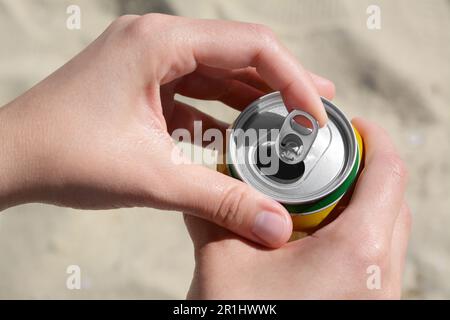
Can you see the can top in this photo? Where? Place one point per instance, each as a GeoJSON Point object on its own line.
{"type": "Point", "coordinates": [327, 164]}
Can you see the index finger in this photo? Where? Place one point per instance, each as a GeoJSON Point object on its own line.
{"type": "Point", "coordinates": [231, 45]}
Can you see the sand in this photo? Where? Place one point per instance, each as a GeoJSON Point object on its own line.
{"type": "Point", "coordinates": [397, 76]}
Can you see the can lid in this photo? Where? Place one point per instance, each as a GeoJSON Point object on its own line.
{"type": "Point", "coordinates": [323, 168]}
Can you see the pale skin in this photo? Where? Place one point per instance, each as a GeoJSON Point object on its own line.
{"type": "Point", "coordinates": [95, 134]}
{"type": "Point", "coordinates": [333, 262]}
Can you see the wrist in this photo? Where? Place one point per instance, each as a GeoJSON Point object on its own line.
{"type": "Point", "coordinates": [19, 178]}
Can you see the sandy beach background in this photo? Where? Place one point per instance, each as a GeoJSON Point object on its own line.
{"type": "Point", "coordinates": [398, 76]}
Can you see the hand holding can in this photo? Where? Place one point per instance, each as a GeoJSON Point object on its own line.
{"type": "Point", "coordinates": [307, 169]}
{"type": "Point", "coordinates": [370, 236]}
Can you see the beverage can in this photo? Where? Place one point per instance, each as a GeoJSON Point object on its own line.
{"type": "Point", "coordinates": [287, 157]}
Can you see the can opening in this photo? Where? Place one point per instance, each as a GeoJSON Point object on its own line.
{"type": "Point", "coordinates": [292, 146]}
{"type": "Point", "coordinates": [286, 173]}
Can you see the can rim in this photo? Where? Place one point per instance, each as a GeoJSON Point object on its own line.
{"type": "Point", "coordinates": [330, 108]}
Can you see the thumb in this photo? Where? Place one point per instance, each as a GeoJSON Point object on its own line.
{"type": "Point", "coordinates": [203, 232]}
{"type": "Point", "coordinates": [229, 203]}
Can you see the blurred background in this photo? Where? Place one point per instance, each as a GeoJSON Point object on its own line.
{"type": "Point", "coordinates": [398, 76]}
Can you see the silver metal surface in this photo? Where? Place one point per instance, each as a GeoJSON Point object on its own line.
{"type": "Point", "coordinates": [327, 164]}
{"type": "Point", "coordinates": [294, 140]}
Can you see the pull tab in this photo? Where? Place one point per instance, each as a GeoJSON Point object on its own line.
{"type": "Point", "coordinates": [294, 140]}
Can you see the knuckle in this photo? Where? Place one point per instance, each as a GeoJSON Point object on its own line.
{"type": "Point", "coordinates": [230, 206]}
{"type": "Point", "coordinates": [266, 34]}
{"type": "Point", "coordinates": [395, 165]}
{"type": "Point", "coordinates": [371, 250]}
{"type": "Point", "coordinates": [263, 30]}
{"type": "Point", "coordinates": [137, 29]}
{"type": "Point", "coordinates": [146, 25]}
{"type": "Point", "coordinates": [156, 18]}
{"type": "Point", "coordinates": [126, 18]}
{"type": "Point", "coordinates": [123, 21]}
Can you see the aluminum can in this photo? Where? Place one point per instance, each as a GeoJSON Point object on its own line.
{"type": "Point", "coordinates": [309, 170]}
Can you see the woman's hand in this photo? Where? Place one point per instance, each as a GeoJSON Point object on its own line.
{"type": "Point", "coordinates": [344, 260]}
{"type": "Point", "coordinates": [96, 133]}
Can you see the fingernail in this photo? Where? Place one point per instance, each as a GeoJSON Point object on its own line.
{"type": "Point", "coordinates": [270, 227]}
